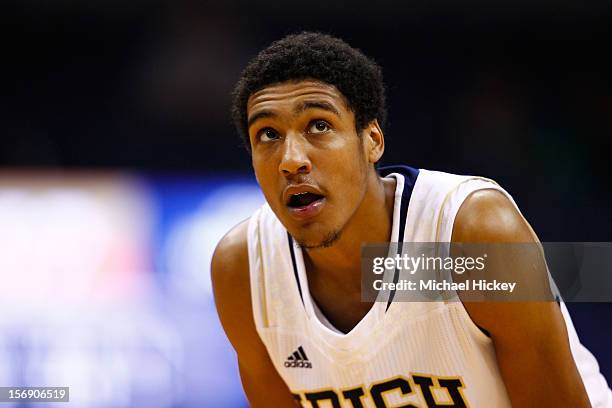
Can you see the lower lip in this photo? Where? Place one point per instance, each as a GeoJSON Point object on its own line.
{"type": "Point", "coordinates": [308, 211]}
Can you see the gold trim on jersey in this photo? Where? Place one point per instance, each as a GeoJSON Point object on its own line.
{"type": "Point", "coordinates": [436, 385]}
{"type": "Point", "coordinates": [383, 395]}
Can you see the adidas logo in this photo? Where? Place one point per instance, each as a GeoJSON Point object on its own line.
{"type": "Point", "coordinates": [298, 359]}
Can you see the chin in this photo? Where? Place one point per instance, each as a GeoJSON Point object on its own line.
{"type": "Point", "coordinates": [325, 241]}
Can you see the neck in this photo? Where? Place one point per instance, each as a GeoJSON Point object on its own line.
{"type": "Point", "coordinates": [340, 264]}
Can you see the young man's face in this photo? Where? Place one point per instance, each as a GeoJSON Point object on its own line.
{"type": "Point", "coordinates": [308, 158]}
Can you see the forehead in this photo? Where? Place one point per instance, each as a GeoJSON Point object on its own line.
{"type": "Point", "coordinates": [292, 92]}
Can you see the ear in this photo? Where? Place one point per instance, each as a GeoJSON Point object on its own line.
{"type": "Point", "coordinates": [374, 141]}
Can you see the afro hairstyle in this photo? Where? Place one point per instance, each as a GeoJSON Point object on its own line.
{"type": "Point", "coordinates": [318, 56]}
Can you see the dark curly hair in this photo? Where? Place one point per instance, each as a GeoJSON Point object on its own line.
{"type": "Point", "coordinates": [314, 56]}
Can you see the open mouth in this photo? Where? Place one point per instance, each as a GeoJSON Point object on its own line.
{"type": "Point", "coordinates": [304, 199]}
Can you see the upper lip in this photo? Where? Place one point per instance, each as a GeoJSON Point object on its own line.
{"type": "Point", "coordinates": [297, 189]}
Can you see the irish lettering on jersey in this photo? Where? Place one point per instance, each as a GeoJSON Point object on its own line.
{"type": "Point", "coordinates": [417, 390]}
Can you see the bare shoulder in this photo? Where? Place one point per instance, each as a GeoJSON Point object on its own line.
{"type": "Point", "coordinates": [232, 289]}
{"type": "Point", "coordinates": [490, 219]}
{"type": "Point", "coordinates": [230, 279]}
{"type": "Point", "coordinates": [530, 337]}
{"type": "Point", "coordinates": [489, 216]}
{"type": "Point", "coordinates": [230, 261]}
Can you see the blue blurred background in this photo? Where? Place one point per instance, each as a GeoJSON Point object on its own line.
{"type": "Point", "coordinates": [106, 286]}
{"type": "Point", "coordinates": [121, 169]}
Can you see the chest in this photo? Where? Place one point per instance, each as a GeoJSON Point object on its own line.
{"type": "Point", "coordinates": [342, 309]}
{"type": "Point", "coordinates": [404, 359]}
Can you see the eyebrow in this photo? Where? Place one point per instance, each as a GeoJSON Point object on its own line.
{"type": "Point", "coordinates": [260, 115]}
{"type": "Point", "coordinates": [297, 110]}
{"type": "Point", "coordinates": [316, 105]}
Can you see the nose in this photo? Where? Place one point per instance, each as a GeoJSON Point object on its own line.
{"type": "Point", "coordinates": [294, 158]}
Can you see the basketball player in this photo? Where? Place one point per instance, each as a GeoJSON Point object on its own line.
{"type": "Point", "coordinates": [287, 280]}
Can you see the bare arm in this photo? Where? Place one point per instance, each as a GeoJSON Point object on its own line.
{"type": "Point", "coordinates": [530, 338]}
{"type": "Point", "coordinates": [230, 276]}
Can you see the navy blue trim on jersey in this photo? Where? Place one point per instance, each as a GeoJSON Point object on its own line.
{"type": "Point", "coordinates": [295, 270]}
{"type": "Point", "coordinates": [410, 176]}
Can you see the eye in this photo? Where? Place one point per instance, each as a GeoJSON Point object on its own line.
{"type": "Point", "coordinates": [268, 134]}
{"type": "Point", "coordinates": [319, 126]}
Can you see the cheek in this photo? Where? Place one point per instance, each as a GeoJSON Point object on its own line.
{"type": "Point", "coordinates": [267, 178]}
{"type": "Point", "coordinates": [262, 166]}
{"type": "Point", "coordinates": [265, 181]}
{"type": "Point", "coordinates": [348, 184]}
{"type": "Point", "coordinates": [350, 159]}
{"type": "Point", "coordinates": [345, 151]}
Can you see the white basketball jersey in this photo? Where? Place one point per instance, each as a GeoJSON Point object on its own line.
{"type": "Point", "coordinates": [408, 354]}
